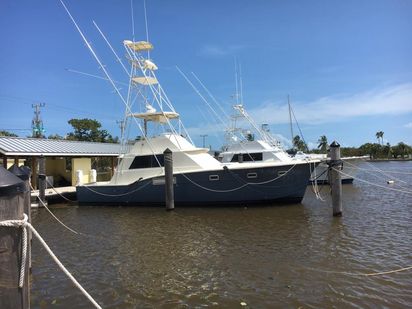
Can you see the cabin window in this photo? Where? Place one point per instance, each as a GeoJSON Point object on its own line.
{"type": "Point", "coordinates": [213, 177]}
{"type": "Point", "coordinates": [251, 175]}
{"type": "Point", "coordinates": [147, 161]}
{"type": "Point", "coordinates": [254, 156]}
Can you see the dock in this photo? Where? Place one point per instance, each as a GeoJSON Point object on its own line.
{"type": "Point", "coordinates": [54, 195]}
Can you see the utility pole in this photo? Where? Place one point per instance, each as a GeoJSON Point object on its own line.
{"type": "Point", "coordinates": [204, 139]}
{"type": "Point", "coordinates": [121, 124]}
{"type": "Point", "coordinates": [37, 123]}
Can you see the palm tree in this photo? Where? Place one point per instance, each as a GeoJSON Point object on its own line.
{"type": "Point", "coordinates": [299, 144]}
{"type": "Point", "coordinates": [379, 136]}
{"type": "Point", "coordinates": [323, 143]}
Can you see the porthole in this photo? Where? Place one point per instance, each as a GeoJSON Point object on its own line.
{"type": "Point", "coordinates": [213, 177]}
{"type": "Point", "coordinates": [251, 175]}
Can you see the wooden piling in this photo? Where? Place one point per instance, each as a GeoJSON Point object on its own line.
{"type": "Point", "coordinates": [335, 179]}
{"type": "Point", "coordinates": [24, 173]}
{"type": "Point", "coordinates": [12, 197]}
{"type": "Point", "coordinates": [42, 180]}
{"type": "Point", "coordinates": [34, 172]}
{"type": "Point", "coordinates": [169, 190]}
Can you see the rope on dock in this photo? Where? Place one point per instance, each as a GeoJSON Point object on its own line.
{"type": "Point", "coordinates": [24, 224]}
{"type": "Point", "coordinates": [374, 184]}
{"type": "Point", "coordinates": [54, 216]}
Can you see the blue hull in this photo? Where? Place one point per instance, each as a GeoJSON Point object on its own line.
{"type": "Point", "coordinates": [231, 187]}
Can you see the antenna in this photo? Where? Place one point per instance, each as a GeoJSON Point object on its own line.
{"type": "Point", "coordinates": [290, 121]}
{"type": "Point", "coordinates": [37, 123]}
{"type": "Point", "coordinates": [236, 80]}
{"type": "Point", "coordinates": [93, 75]}
{"type": "Point", "coordinates": [132, 12]}
{"type": "Point", "coordinates": [213, 98]}
{"type": "Point", "coordinates": [241, 84]}
{"type": "Point", "coordinates": [111, 48]}
{"type": "Point", "coordinates": [200, 95]}
{"type": "Point", "coordinates": [147, 28]}
{"type": "Point", "coordinates": [297, 123]}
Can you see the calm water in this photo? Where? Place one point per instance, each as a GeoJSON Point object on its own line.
{"type": "Point", "coordinates": [268, 257]}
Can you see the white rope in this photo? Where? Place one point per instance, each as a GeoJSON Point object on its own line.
{"type": "Point", "coordinates": [54, 189]}
{"type": "Point", "coordinates": [53, 215]}
{"type": "Point", "coordinates": [374, 184]}
{"type": "Point", "coordinates": [361, 274]}
{"type": "Point", "coordinates": [375, 169]}
{"type": "Point", "coordinates": [212, 190]}
{"type": "Point", "coordinates": [116, 195]}
{"type": "Point", "coordinates": [385, 178]}
{"type": "Point", "coordinates": [24, 224]}
{"type": "Point", "coordinates": [314, 182]}
{"type": "Point", "coordinates": [240, 187]}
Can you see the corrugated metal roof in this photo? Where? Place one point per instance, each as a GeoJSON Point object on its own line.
{"type": "Point", "coordinates": [20, 146]}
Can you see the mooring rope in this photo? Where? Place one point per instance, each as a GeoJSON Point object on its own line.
{"type": "Point", "coordinates": [24, 224]}
{"type": "Point", "coordinates": [360, 274]}
{"type": "Point", "coordinates": [314, 182]}
{"type": "Point", "coordinates": [54, 216]}
{"type": "Point", "coordinates": [374, 184]}
{"type": "Point", "coordinates": [379, 171]}
{"type": "Point", "coordinates": [54, 189]}
{"type": "Point", "coordinates": [240, 187]}
{"type": "Point", "coordinates": [382, 172]}
{"type": "Point", "coordinates": [122, 194]}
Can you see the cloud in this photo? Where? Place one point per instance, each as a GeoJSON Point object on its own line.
{"type": "Point", "coordinates": [219, 51]}
{"type": "Point", "coordinates": [395, 100]}
{"type": "Point", "coordinates": [408, 125]}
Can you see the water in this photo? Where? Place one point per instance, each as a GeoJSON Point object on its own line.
{"type": "Point", "coordinates": [295, 256]}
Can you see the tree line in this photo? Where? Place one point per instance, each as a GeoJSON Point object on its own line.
{"type": "Point", "coordinates": [88, 130]}
{"type": "Point", "coordinates": [377, 150]}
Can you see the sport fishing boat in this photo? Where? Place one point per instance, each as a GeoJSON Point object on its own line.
{"type": "Point", "coordinates": [242, 146]}
{"type": "Point", "coordinates": [199, 179]}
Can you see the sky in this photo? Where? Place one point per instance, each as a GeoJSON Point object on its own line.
{"type": "Point", "coordinates": [346, 65]}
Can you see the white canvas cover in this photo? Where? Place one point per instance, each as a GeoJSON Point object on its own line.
{"type": "Point", "coordinates": [145, 80]}
{"type": "Point", "coordinates": [160, 117]}
{"type": "Point", "coordinates": [138, 46]}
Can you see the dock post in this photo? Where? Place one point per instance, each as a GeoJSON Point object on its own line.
{"type": "Point", "coordinates": [42, 180]}
{"type": "Point", "coordinates": [23, 173]}
{"type": "Point", "coordinates": [12, 198]}
{"type": "Point", "coordinates": [335, 179]}
{"type": "Point", "coordinates": [169, 193]}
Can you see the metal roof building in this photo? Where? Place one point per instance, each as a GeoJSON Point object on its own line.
{"type": "Point", "coordinates": [35, 147]}
{"type": "Point", "coordinates": [62, 158]}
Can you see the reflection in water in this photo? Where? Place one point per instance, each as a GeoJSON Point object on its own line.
{"type": "Point", "coordinates": [281, 256]}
